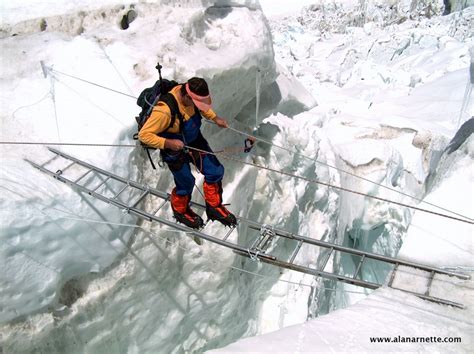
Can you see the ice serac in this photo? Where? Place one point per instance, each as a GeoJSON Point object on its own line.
{"type": "Point", "coordinates": [447, 242]}
{"type": "Point", "coordinates": [71, 278]}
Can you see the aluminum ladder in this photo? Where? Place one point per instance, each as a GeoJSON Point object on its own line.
{"type": "Point", "coordinates": [130, 196]}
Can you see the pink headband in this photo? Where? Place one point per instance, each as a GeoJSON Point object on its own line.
{"type": "Point", "coordinates": [202, 102]}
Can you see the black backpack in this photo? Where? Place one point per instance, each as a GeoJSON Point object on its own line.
{"type": "Point", "coordinates": [148, 99]}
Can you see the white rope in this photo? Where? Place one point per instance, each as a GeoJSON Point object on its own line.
{"type": "Point", "coordinates": [90, 101]}
{"type": "Point", "coordinates": [294, 152]}
{"type": "Point", "coordinates": [51, 70]}
{"type": "Point", "coordinates": [309, 180]}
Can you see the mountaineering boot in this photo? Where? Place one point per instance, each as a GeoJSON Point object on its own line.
{"type": "Point", "coordinates": [214, 208]}
{"type": "Point", "coordinates": [182, 211]}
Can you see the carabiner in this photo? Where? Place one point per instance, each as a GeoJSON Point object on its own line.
{"type": "Point", "coordinates": [248, 145]}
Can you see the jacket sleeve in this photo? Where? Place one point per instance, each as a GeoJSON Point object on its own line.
{"type": "Point", "coordinates": [158, 121]}
{"type": "Point", "coordinates": [209, 114]}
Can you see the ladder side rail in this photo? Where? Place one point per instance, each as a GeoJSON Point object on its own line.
{"type": "Point", "coordinates": [111, 175]}
{"type": "Point", "coordinates": [256, 226]}
{"type": "Point", "coordinates": [315, 272]}
{"type": "Point", "coordinates": [238, 248]}
{"type": "Point", "coordinates": [76, 185]}
{"type": "Point", "coordinates": [433, 299]}
{"type": "Point", "coordinates": [146, 215]}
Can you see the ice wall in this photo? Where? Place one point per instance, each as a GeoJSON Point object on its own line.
{"type": "Point", "coordinates": [376, 74]}
{"type": "Point", "coordinates": [76, 271]}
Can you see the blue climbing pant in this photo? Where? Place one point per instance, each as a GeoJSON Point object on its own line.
{"type": "Point", "coordinates": [178, 162]}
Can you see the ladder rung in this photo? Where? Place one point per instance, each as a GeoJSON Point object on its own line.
{"type": "Point", "coordinates": [50, 160]}
{"type": "Point", "coordinates": [392, 276]}
{"type": "Point", "coordinates": [327, 259]}
{"type": "Point", "coordinates": [161, 206]}
{"type": "Point", "coordinates": [228, 233]}
{"type": "Point", "coordinates": [68, 166]}
{"type": "Point", "coordinates": [101, 184]}
{"type": "Point", "coordinates": [430, 280]}
{"type": "Point", "coordinates": [359, 266]}
{"type": "Point", "coordinates": [85, 174]}
{"type": "Point", "coordinates": [140, 198]}
{"type": "Point", "coordinates": [295, 252]}
{"type": "Point", "coordinates": [121, 191]}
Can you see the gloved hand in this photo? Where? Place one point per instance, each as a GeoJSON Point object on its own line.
{"type": "Point", "coordinates": [174, 144]}
{"type": "Point", "coordinates": [221, 122]}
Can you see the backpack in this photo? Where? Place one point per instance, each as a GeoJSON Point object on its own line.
{"type": "Point", "coordinates": [148, 99]}
{"type": "Point", "coordinates": [150, 96]}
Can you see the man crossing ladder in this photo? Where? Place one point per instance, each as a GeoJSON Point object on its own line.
{"type": "Point", "coordinates": [191, 101]}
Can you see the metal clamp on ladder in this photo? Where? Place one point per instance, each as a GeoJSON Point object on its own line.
{"type": "Point", "coordinates": [262, 242]}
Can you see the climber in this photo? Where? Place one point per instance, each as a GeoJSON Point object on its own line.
{"type": "Point", "coordinates": [190, 101]}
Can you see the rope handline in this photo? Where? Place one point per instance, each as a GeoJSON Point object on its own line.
{"type": "Point", "coordinates": [333, 186]}
{"type": "Point", "coordinates": [88, 100]}
{"type": "Point", "coordinates": [67, 144]}
{"type": "Point", "coordinates": [113, 65]}
{"type": "Point", "coordinates": [53, 98]}
{"type": "Point", "coordinates": [343, 171]}
{"type": "Point", "coordinates": [50, 69]}
{"type": "Point", "coordinates": [90, 82]}
{"type": "Point", "coordinates": [469, 221]}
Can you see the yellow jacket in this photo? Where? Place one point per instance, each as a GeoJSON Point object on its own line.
{"type": "Point", "coordinates": [160, 119]}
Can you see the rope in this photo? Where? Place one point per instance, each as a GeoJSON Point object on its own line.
{"type": "Point", "coordinates": [113, 65]}
{"type": "Point", "coordinates": [53, 98]}
{"type": "Point", "coordinates": [51, 70]}
{"type": "Point", "coordinates": [341, 170]}
{"type": "Point", "coordinates": [335, 187]}
{"type": "Point", "coordinates": [67, 144]}
{"type": "Point", "coordinates": [89, 101]}
{"type": "Point", "coordinates": [468, 221]}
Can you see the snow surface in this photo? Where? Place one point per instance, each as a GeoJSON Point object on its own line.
{"type": "Point", "coordinates": [349, 86]}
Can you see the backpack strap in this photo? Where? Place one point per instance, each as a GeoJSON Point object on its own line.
{"type": "Point", "coordinates": [171, 102]}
